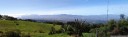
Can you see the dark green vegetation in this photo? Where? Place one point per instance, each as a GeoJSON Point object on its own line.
{"type": "Point", "coordinates": [113, 27]}
{"type": "Point", "coordinates": [13, 27]}
{"type": "Point", "coordinates": [23, 28]}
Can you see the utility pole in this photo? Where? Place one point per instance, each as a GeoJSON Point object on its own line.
{"type": "Point", "coordinates": [107, 9]}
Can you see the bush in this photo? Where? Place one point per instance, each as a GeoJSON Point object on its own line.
{"type": "Point", "coordinates": [116, 31]}
{"type": "Point", "coordinates": [13, 33]}
{"type": "Point", "coordinates": [124, 30]}
{"type": "Point", "coordinates": [52, 31]}
{"type": "Point", "coordinates": [41, 31]}
{"type": "Point", "coordinates": [26, 35]}
{"type": "Point", "coordinates": [59, 31]}
{"type": "Point", "coordinates": [1, 34]}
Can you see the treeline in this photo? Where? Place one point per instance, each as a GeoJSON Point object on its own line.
{"type": "Point", "coordinates": [114, 27]}
{"type": "Point", "coordinates": [6, 17]}
{"type": "Point", "coordinates": [77, 27]}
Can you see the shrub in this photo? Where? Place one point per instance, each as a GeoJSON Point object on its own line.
{"type": "Point", "coordinates": [13, 33]}
{"type": "Point", "coordinates": [1, 34]}
{"type": "Point", "coordinates": [41, 31]}
{"type": "Point", "coordinates": [26, 35]}
{"type": "Point", "coordinates": [52, 31]}
{"type": "Point", "coordinates": [116, 31]}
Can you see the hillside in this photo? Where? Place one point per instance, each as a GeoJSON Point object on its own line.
{"type": "Point", "coordinates": [35, 29]}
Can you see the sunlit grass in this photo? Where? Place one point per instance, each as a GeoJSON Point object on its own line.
{"type": "Point", "coordinates": [27, 27]}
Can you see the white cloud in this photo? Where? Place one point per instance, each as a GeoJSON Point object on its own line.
{"type": "Point", "coordinates": [14, 15]}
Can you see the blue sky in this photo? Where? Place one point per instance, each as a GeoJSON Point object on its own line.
{"type": "Point", "coordinates": [52, 7]}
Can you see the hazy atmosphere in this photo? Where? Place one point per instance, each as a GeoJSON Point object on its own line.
{"type": "Point", "coordinates": [63, 18]}
{"type": "Point", "coordinates": [52, 7]}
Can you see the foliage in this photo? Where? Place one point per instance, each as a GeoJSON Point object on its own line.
{"type": "Point", "coordinates": [52, 31]}
{"type": "Point", "coordinates": [30, 20]}
{"type": "Point", "coordinates": [6, 17]}
{"type": "Point", "coordinates": [0, 16]}
{"type": "Point", "coordinates": [77, 27]}
{"type": "Point", "coordinates": [13, 33]}
{"type": "Point", "coordinates": [113, 27]}
{"type": "Point", "coordinates": [122, 16]}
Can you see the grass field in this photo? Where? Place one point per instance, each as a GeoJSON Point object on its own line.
{"type": "Point", "coordinates": [35, 29]}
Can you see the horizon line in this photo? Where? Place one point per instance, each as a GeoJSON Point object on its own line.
{"type": "Point", "coordinates": [19, 15]}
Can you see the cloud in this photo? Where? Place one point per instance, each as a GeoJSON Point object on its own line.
{"type": "Point", "coordinates": [14, 15]}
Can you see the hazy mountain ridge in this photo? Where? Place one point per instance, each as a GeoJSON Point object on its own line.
{"type": "Point", "coordinates": [66, 17]}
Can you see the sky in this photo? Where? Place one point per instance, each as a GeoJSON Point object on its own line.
{"type": "Point", "coordinates": [52, 7]}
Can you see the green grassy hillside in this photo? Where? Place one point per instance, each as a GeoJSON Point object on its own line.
{"type": "Point", "coordinates": [35, 29]}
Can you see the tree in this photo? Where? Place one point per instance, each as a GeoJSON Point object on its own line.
{"type": "Point", "coordinates": [122, 16]}
{"type": "Point", "coordinates": [122, 21]}
{"type": "Point", "coordinates": [0, 16]}
{"type": "Point", "coordinates": [78, 27]}
{"type": "Point", "coordinates": [121, 26]}
{"type": "Point", "coordinates": [111, 22]}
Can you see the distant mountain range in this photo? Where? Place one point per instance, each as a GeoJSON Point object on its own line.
{"type": "Point", "coordinates": [66, 17]}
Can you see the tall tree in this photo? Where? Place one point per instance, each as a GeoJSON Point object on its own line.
{"type": "Point", "coordinates": [122, 21]}
{"type": "Point", "coordinates": [122, 16]}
